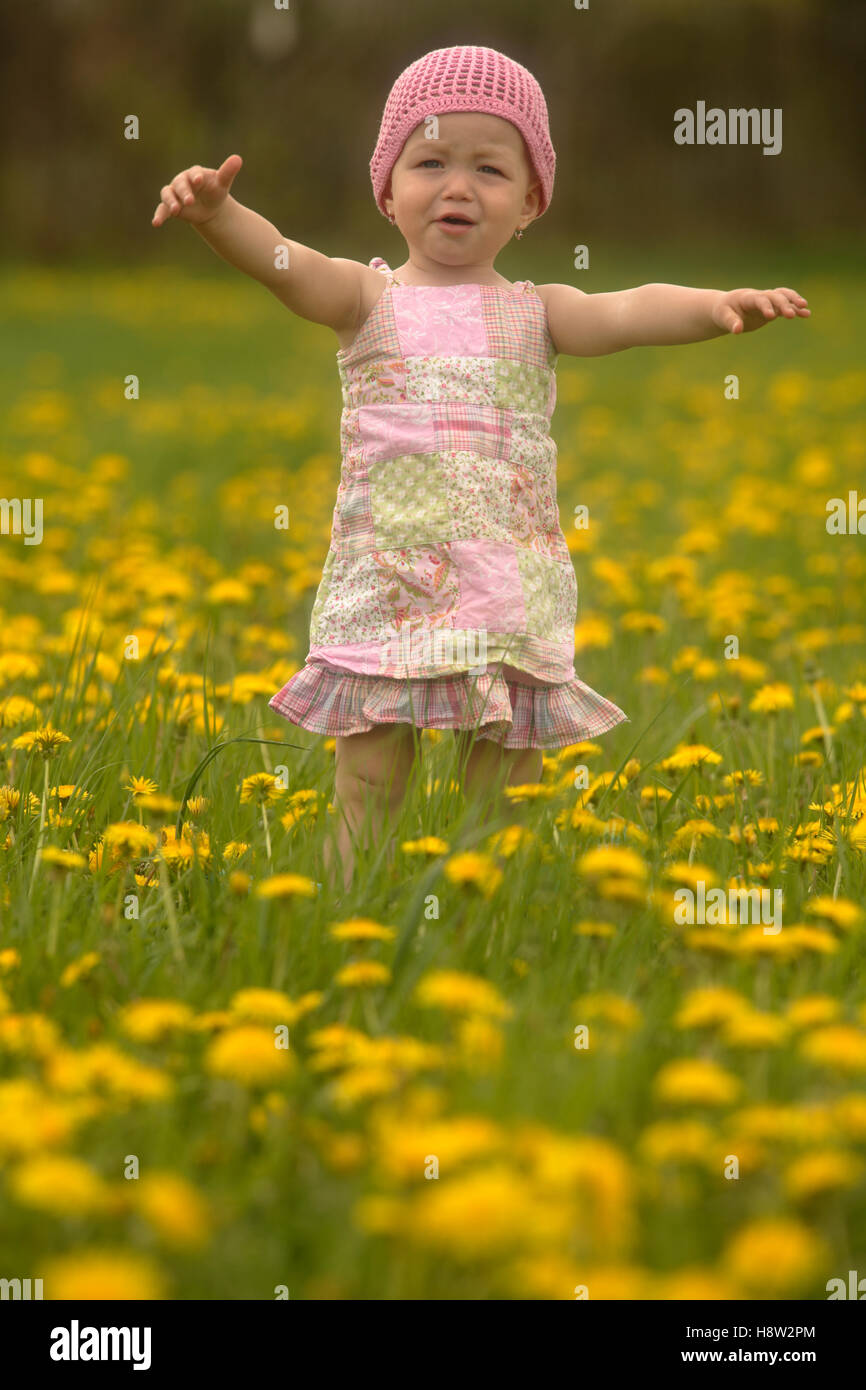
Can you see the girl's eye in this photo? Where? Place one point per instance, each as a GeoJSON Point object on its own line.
{"type": "Point", "coordinates": [433, 160]}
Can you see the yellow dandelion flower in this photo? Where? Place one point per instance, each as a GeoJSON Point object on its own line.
{"type": "Point", "coordinates": [47, 741]}
{"type": "Point", "coordinates": [687, 755]}
{"type": "Point", "coordinates": [751, 1028]}
{"type": "Point", "coordinates": [703, 1008]}
{"type": "Point", "coordinates": [105, 1068]}
{"type": "Point", "coordinates": [212, 1019]}
{"type": "Point", "coordinates": [248, 1054]}
{"type": "Point", "coordinates": [775, 1256]}
{"type": "Point", "coordinates": [17, 709]}
{"type": "Point", "coordinates": [190, 847]}
{"type": "Point", "coordinates": [150, 1020]}
{"type": "Point", "coordinates": [842, 912]}
{"type": "Point", "coordinates": [823, 1170]}
{"type": "Point", "coordinates": [508, 841]}
{"type": "Point", "coordinates": [650, 795]}
{"type": "Point", "coordinates": [79, 969]}
{"type": "Point", "coordinates": [458, 992]}
{"type": "Point", "coordinates": [676, 1141]}
{"type": "Point", "coordinates": [689, 875]}
{"type": "Point", "coordinates": [234, 849]}
{"type": "Point", "coordinates": [129, 838]}
{"type": "Point", "coordinates": [481, 870]}
{"type": "Point", "coordinates": [692, 831]}
{"type": "Point", "coordinates": [751, 776]}
{"type": "Point", "coordinates": [31, 1121]}
{"type": "Point", "coordinates": [612, 861]}
{"type": "Point", "coordinates": [239, 883]}
{"type": "Point", "coordinates": [263, 1006]}
{"type": "Point", "coordinates": [173, 1207]}
{"type": "Point", "coordinates": [103, 1275]}
{"type": "Point", "coordinates": [262, 788]}
{"type": "Point", "coordinates": [363, 974]}
{"type": "Point", "coordinates": [60, 1186]}
{"type": "Point", "coordinates": [362, 929]}
{"type": "Point", "coordinates": [140, 786]}
{"type": "Point", "coordinates": [641, 622]}
{"type": "Point", "coordinates": [849, 1115]}
{"type": "Point", "coordinates": [402, 1146]}
{"type": "Point", "coordinates": [62, 858]}
{"type": "Point", "coordinates": [772, 698]}
{"type": "Point", "coordinates": [429, 844]}
{"type": "Point", "coordinates": [823, 943]}
{"type": "Point", "coordinates": [838, 1046]}
{"type": "Point", "coordinates": [812, 1009]}
{"type": "Point", "coordinates": [590, 928]}
{"type": "Point", "coordinates": [286, 886]}
{"type": "Point", "coordinates": [610, 1008]}
{"type": "Point", "coordinates": [10, 959]}
{"type": "Point", "coordinates": [483, 1213]}
{"type": "Point", "coordinates": [365, 1083]}
{"type": "Point", "coordinates": [479, 1043]}
{"type": "Point", "coordinates": [28, 1035]}
{"type": "Point", "coordinates": [695, 1081]}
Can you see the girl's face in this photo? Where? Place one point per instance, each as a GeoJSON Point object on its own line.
{"type": "Point", "coordinates": [478, 169]}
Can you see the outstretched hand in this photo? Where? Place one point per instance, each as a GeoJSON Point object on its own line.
{"type": "Point", "coordinates": [742, 311]}
{"type": "Point", "coordinates": [196, 194]}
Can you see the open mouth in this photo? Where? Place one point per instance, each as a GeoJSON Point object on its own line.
{"type": "Point", "coordinates": [457, 221]}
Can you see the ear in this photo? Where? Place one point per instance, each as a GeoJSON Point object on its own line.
{"type": "Point", "coordinates": [532, 200]}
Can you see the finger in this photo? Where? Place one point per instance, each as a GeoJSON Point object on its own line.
{"type": "Point", "coordinates": [228, 169]}
{"type": "Point", "coordinates": [765, 304]}
{"type": "Point", "coordinates": [162, 214]}
{"type": "Point", "coordinates": [168, 196]}
{"type": "Point", "coordinates": [797, 298]}
{"type": "Point", "coordinates": [731, 321]}
{"type": "Point", "coordinates": [782, 304]}
{"type": "Point", "coordinates": [183, 190]}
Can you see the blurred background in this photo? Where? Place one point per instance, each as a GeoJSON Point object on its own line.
{"type": "Point", "coordinates": [299, 92]}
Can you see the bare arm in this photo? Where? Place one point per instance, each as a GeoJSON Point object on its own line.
{"type": "Point", "coordinates": [658, 315]}
{"type": "Point", "coordinates": [319, 288]}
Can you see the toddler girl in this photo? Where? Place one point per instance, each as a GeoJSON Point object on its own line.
{"type": "Point", "coordinates": [448, 598]}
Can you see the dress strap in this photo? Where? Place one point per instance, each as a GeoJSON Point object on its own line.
{"type": "Point", "coordinates": [379, 263]}
{"type": "Point", "coordinates": [528, 286]}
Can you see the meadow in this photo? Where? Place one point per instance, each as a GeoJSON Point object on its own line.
{"type": "Point", "coordinates": [503, 1069]}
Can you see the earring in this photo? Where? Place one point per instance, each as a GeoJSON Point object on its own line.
{"type": "Point", "coordinates": [391, 218]}
{"type": "Point", "coordinates": [519, 233]}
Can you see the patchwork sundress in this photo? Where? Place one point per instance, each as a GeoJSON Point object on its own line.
{"type": "Point", "coordinates": [448, 597]}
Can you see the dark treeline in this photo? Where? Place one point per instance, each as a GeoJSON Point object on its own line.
{"type": "Point", "coordinates": [299, 93]}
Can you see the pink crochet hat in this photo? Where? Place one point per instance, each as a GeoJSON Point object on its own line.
{"type": "Point", "coordinates": [464, 79]}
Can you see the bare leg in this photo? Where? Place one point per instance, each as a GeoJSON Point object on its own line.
{"type": "Point", "coordinates": [372, 775]}
{"type": "Point", "coordinates": [489, 768]}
